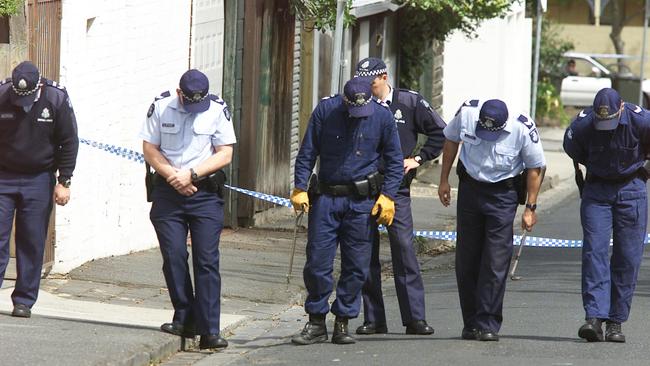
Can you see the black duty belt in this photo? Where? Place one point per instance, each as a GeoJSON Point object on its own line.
{"type": "Point", "coordinates": [369, 187]}
{"type": "Point", "coordinates": [640, 173]}
{"type": "Point", "coordinates": [508, 183]}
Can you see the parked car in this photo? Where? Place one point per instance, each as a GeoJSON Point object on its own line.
{"type": "Point", "coordinates": [589, 74]}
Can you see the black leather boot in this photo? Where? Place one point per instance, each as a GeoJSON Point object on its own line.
{"type": "Point", "coordinates": [613, 332]}
{"type": "Point", "coordinates": [341, 334]}
{"type": "Point", "coordinates": [592, 330]}
{"type": "Point", "coordinates": [314, 331]}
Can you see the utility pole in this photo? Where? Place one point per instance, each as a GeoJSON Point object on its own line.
{"type": "Point", "coordinates": [538, 38]}
{"type": "Point", "coordinates": [643, 49]}
{"type": "Point", "coordinates": [338, 45]}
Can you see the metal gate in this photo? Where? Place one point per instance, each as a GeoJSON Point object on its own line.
{"type": "Point", "coordinates": [44, 37]}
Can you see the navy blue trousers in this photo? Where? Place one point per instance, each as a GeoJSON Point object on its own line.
{"type": "Point", "coordinates": [608, 284]}
{"type": "Point", "coordinates": [334, 220]}
{"type": "Point", "coordinates": [406, 269]}
{"type": "Point", "coordinates": [172, 215]}
{"type": "Point", "coordinates": [483, 251]}
{"type": "Point", "coordinates": [28, 197]}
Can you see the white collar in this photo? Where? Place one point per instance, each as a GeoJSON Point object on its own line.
{"type": "Point", "coordinates": [389, 97]}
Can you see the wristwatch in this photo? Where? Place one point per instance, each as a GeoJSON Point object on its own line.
{"type": "Point", "coordinates": [195, 176]}
{"type": "Point", "coordinates": [531, 206]}
{"type": "Point", "coordinates": [65, 182]}
{"type": "Point", "coordinates": [417, 158]}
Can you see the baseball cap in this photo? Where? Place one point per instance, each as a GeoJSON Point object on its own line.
{"type": "Point", "coordinates": [370, 67]}
{"type": "Point", "coordinates": [25, 79]}
{"type": "Point", "coordinates": [492, 120]}
{"type": "Point", "coordinates": [357, 95]}
{"type": "Point", "coordinates": [194, 87]}
{"type": "Point", "coordinates": [607, 108]}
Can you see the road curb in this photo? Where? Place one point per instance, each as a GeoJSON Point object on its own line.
{"type": "Point", "coordinates": [159, 352]}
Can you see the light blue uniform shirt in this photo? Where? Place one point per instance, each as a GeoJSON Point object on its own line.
{"type": "Point", "coordinates": [187, 139]}
{"type": "Point", "coordinates": [517, 148]}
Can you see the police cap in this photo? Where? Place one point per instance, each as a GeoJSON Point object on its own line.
{"type": "Point", "coordinates": [492, 120]}
{"type": "Point", "coordinates": [194, 87]}
{"type": "Point", "coordinates": [607, 108]}
{"type": "Point", "coordinates": [357, 95]}
{"type": "Point", "coordinates": [25, 80]}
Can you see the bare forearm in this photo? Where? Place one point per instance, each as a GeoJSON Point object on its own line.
{"type": "Point", "coordinates": [534, 182]}
{"type": "Point", "coordinates": [449, 151]}
{"type": "Point", "coordinates": [155, 158]}
{"type": "Point", "coordinates": [221, 158]}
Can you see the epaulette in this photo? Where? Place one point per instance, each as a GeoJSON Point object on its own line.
{"type": "Point", "coordinates": [527, 122]}
{"type": "Point", "coordinates": [162, 95]}
{"type": "Point", "coordinates": [54, 84]}
{"type": "Point", "coordinates": [468, 103]}
{"type": "Point", "coordinates": [635, 108]}
{"type": "Point", "coordinates": [329, 97]}
{"type": "Point", "coordinates": [583, 113]}
{"type": "Point", "coordinates": [215, 98]}
{"type": "Point", "coordinates": [411, 91]}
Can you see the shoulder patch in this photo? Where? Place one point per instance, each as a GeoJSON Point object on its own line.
{"type": "Point", "coordinates": [151, 109]}
{"type": "Point", "coordinates": [534, 135]}
{"type": "Point", "coordinates": [217, 99]}
{"type": "Point", "coordinates": [163, 95]}
{"type": "Point", "coordinates": [523, 119]}
{"type": "Point", "coordinates": [226, 113]}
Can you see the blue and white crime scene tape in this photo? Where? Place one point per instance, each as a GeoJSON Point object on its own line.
{"type": "Point", "coordinates": [531, 241]}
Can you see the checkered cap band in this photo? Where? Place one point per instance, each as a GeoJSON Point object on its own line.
{"type": "Point", "coordinates": [355, 103]}
{"type": "Point", "coordinates": [372, 72]}
{"type": "Point", "coordinates": [22, 92]}
{"type": "Point", "coordinates": [192, 99]}
{"type": "Point", "coordinates": [489, 125]}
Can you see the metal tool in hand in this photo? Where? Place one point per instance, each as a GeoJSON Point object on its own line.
{"type": "Point", "coordinates": [293, 247]}
{"type": "Point", "coordinates": [517, 256]}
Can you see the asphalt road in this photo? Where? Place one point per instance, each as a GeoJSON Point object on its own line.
{"type": "Point", "coordinates": [542, 314]}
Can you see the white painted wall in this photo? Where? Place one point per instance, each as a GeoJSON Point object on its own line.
{"type": "Point", "coordinates": [497, 64]}
{"type": "Point", "coordinates": [133, 50]}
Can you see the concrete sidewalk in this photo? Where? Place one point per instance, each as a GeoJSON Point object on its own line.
{"type": "Point", "coordinates": [108, 311]}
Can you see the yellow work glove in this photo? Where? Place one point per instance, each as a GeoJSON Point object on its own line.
{"type": "Point", "coordinates": [385, 207]}
{"type": "Point", "coordinates": [300, 200]}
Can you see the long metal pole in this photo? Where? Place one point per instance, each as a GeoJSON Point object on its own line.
{"type": "Point", "coordinates": [538, 36]}
{"type": "Point", "coordinates": [643, 49]}
{"type": "Point", "coordinates": [338, 45]}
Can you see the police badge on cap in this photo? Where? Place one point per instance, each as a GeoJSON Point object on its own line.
{"type": "Point", "coordinates": [357, 96]}
{"type": "Point", "coordinates": [25, 80]}
{"type": "Point", "coordinates": [492, 120]}
{"type": "Point", "coordinates": [607, 109]}
{"type": "Point", "coordinates": [194, 87]}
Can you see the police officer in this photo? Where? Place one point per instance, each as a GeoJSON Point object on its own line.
{"type": "Point", "coordinates": [38, 138]}
{"type": "Point", "coordinates": [188, 139]}
{"type": "Point", "coordinates": [350, 133]}
{"type": "Point", "coordinates": [611, 140]}
{"type": "Point", "coordinates": [496, 149]}
{"type": "Point", "coordinates": [413, 116]}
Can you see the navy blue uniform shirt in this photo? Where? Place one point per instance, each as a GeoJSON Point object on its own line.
{"type": "Point", "coordinates": [42, 139]}
{"type": "Point", "coordinates": [350, 148]}
{"type": "Point", "coordinates": [413, 115]}
{"type": "Point", "coordinates": [610, 154]}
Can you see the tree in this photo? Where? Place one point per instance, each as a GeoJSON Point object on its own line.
{"type": "Point", "coordinates": [421, 22]}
